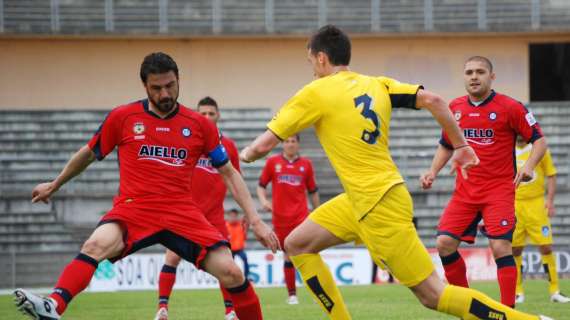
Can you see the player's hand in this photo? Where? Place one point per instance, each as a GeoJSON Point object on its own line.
{"type": "Point", "coordinates": [523, 175]}
{"type": "Point", "coordinates": [265, 235]}
{"type": "Point", "coordinates": [427, 179]}
{"type": "Point", "coordinates": [43, 191]}
{"type": "Point", "coordinates": [463, 159]}
{"type": "Point", "coordinates": [550, 208]}
{"type": "Point", "coordinates": [267, 206]}
{"type": "Point", "coordinates": [243, 156]}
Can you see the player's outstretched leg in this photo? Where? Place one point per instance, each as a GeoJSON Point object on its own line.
{"type": "Point", "coordinates": [106, 241]}
{"type": "Point", "coordinates": [465, 303]}
{"type": "Point", "coordinates": [220, 264]}
{"type": "Point", "coordinates": [302, 246]}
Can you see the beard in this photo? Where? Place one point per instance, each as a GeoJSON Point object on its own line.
{"type": "Point", "coordinates": [165, 105]}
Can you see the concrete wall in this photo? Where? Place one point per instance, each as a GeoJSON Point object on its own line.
{"type": "Point", "coordinates": [101, 73]}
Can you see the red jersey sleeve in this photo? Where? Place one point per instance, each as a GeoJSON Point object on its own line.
{"type": "Point", "coordinates": [232, 153]}
{"type": "Point", "coordinates": [310, 181]}
{"type": "Point", "coordinates": [108, 136]}
{"type": "Point", "coordinates": [524, 123]}
{"type": "Point", "coordinates": [266, 174]}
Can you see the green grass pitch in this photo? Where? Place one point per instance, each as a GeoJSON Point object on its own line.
{"type": "Point", "coordinates": [364, 302]}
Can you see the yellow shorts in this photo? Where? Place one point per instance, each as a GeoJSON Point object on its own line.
{"type": "Point", "coordinates": [387, 231]}
{"type": "Point", "coordinates": [532, 222]}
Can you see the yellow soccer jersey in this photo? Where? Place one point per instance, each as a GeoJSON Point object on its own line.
{"type": "Point", "coordinates": [545, 168]}
{"type": "Point", "coordinates": [351, 115]}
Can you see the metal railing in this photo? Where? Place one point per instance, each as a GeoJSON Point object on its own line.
{"type": "Point", "coordinates": [250, 17]}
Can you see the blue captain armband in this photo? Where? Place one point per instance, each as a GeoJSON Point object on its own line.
{"type": "Point", "coordinates": [219, 156]}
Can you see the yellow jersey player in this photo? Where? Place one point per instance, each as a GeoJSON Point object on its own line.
{"type": "Point", "coordinates": [533, 222]}
{"type": "Point", "coordinates": [351, 114]}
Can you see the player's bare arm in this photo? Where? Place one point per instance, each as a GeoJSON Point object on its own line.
{"type": "Point", "coordinates": [441, 157]}
{"type": "Point", "coordinates": [78, 162]}
{"type": "Point", "coordinates": [551, 191]}
{"type": "Point", "coordinates": [262, 232]}
{"type": "Point", "coordinates": [262, 196]}
{"type": "Point", "coordinates": [260, 147]}
{"type": "Point", "coordinates": [463, 157]}
{"type": "Point", "coordinates": [536, 153]}
{"type": "Point", "coordinates": [315, 199]}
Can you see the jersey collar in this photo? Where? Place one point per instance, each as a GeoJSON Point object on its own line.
{"type": "Point", "coordinates": [146, 107]}
{"type": "Point", "coordinates": [291, 161]}
{"type": "Point", "coordinates": [487, 100]}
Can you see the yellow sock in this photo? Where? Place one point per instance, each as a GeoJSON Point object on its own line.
{"type": "Point", "coordinates": [321, 285]}
{"type": "Point", "coordinates": [469, 304]}
{"type": "Point", "coordinates": [518, 261]}
{"type": "Point", "coordinates": [549, 264]}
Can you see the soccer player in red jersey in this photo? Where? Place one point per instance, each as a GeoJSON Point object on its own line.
{"type": "Point", "coordinates": [159, 142]}
{"type": "Point", "coordinates": [211, 202]}
{"type": "Point", "coordinates": [291, 177]}
{"type": "Point", "coordinates": [490, 122]}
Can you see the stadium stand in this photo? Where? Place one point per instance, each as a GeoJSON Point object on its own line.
{"type": "Point", "coordinates": [201, 17]}
{"type": "Point", "coordinates": [36, 145]}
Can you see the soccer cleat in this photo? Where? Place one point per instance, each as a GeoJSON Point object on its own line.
{"type": "Point", "coordinates": [559, 297]}
{"type": "Point", "coordinates": [161, 314]}
{"type": "Point", "coordinates": [541, 317]}
{"type": "Point", "coordinates": [231, 316]}
{"type": "Point", "coordinates": [34, 306]}
{"type": "Point", "coordinates": [519, 298]}
{"type": "Point", "coordinates": [292, 300]}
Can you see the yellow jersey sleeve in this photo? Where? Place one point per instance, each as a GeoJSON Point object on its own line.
{"type": "Point", "coordinates": [548, 164]}
{"type": "Point", "coordinates": [300, 112]}
{"type": "Point", "coordinates": [402, 95]}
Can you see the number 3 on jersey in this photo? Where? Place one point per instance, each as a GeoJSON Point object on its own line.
{"type": "Point", "coordinates": [366, 102]}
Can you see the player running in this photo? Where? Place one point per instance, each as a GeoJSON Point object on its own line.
{"type": "Point", "coordinates": [533, 221]}
{"type": "Point", "coordinates": [159, 142]}
{"type": "Point", "coordinates": [490, 122]}
{"type": "Point", "coordinates": [351, 115]}
{"type": "Point", "coordinates": [291, 177]}
{"type": "Point", "coordinates": [208, 193]}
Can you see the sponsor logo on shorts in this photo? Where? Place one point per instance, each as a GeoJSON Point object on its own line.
{"type": "Point", "coordinates": [504, 223]}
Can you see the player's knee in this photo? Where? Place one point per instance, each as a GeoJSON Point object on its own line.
{"type": "Point", "coordinates": [95, 248]}
{"type": "Point", "coordinates": [231, 276]}
{"type": "Point", "coordinates": [544, 250]}
{"type": "Point", "coordinates": [293, 246]}
{"type": "Point", "coordinates": [172, 259]}
{"type": "Point", "coordinates": [446, 245]}
{"type": "Point", "coordinates": [517, 251]}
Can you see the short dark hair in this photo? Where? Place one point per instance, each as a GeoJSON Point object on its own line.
{"type": "Point", "coordinates": [157, 63]}
{"type": "Point", "coordinates": [333, 42]}
{"type": "Point", "coordinates": [208, 101]}
{"type": "Point", "coordinates": [297, 136]}
{"type": "Point", "coordinates": [481, 59]}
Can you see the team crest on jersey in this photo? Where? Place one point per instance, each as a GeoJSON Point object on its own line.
{"type": "Point", "coordinates": [493, 116]}
{"type": "Point", "coordinates": [302, 169]}
{"type": "Point", "coordinates": [457, 115]}
{"type": "Point", "coordinates": [138, 128]}
{"type": "Point", "coordinates": [278, 167]}
{"type": "Point", "coordinates": [545, 231]}
{"type": "Point", "coordinates": [186, 132]}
